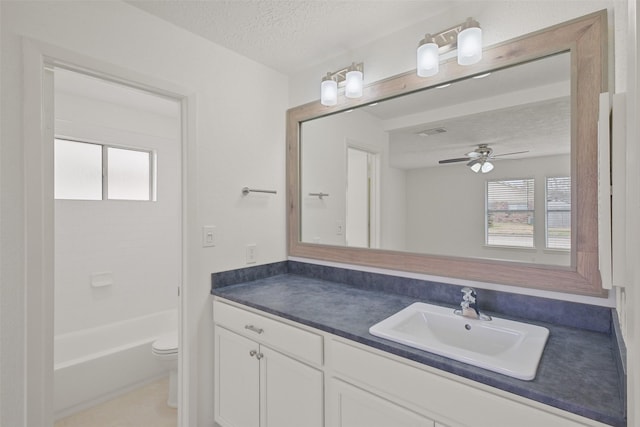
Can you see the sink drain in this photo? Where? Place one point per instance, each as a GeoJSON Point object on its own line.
{"type": "Point", "coordinates": [467, 327]}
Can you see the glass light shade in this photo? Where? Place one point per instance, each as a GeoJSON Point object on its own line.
{"type": "Point", "coordinates": [486, 167]}
{"type": "Point", "coordinates": [329, 92]}
{"type": "Point", "coordinates": [353, 88]}
{"type": "Point", "coordinates": [428, 60]}
{"type": "Point", "coordinates": [476, 167]}
{"type": "Point", "coordinates": [469, 46]}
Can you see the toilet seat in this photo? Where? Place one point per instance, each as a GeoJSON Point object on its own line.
{"type": "Point", "coordinates": [166, 345]}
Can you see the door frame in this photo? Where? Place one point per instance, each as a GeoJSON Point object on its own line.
{"type": "Point", "coordinates": [38, 131]}
{"type": "Point", "coordinates": [374, 199]}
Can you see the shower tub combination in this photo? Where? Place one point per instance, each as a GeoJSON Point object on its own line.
{"type": "Point", "coordinates": [96, 364]}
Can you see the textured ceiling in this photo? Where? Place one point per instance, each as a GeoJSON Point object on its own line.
{"type": "Point", "coordinates": [290, 35]}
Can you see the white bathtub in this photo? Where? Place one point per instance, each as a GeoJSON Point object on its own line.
{"type": "Point", "coordinates": [93, 365]}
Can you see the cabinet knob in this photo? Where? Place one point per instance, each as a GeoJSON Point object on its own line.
{"type": "Point", "coordinates": [259, 356]}
{"type": "Point", "coordinates": [254, 329]}
{"type": "Point", "coordinates": [253, 353]}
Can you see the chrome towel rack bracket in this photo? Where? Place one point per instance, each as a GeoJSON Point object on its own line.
{"type": "Point", "coordinates": [247, 190]}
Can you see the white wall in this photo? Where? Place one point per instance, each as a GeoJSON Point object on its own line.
{"type": "Point", "coordinates": [440, 224]}
{"type": "Point", "coordinates": [138, 243]}
{"type": "Point", "coordinates": [324, 168]}
{"type": "Point", "coordinates": [238, 127]}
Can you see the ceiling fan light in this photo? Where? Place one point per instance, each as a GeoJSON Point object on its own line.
{"type": "Point", "coordinates": [475, 166]}
{"type": "Point", "coordinates": [486, 167]}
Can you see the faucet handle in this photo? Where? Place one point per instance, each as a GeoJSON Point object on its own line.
{"type": "Point", "coordinates": [469, 294]}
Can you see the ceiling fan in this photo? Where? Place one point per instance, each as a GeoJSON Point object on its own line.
{"type": "Point", "coordinates": [478, 159]}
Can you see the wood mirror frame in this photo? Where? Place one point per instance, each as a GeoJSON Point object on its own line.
{"type": "Point", "coordinates": [586, 40]}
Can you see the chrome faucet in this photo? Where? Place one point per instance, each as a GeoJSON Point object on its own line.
{"type": "Point", "coordinates": [469, 305]}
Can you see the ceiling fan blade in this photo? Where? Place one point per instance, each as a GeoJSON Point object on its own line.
{"type": "Point", "coordinates": [459, 159]}
{"type": "Point", "coordinates": [509, 154]}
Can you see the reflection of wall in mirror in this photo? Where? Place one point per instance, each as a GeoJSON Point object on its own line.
{"type": "Point", "coordinates": [438, 223]}
{"type": "Point", "coordinates": [323, 168]}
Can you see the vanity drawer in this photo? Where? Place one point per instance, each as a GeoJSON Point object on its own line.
{"type": "Point", "coordinates": [297, 342]}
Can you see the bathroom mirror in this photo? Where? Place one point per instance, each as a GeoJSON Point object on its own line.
{"type": "Point", "coordinates": [401, 178]}
{"type": "Point", "coordinates": [400, 157]}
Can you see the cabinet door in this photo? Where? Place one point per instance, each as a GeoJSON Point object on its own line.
{"type": "Point", "coordinates": [237, 388]}
{"type": "Point", "coordinates": [291, 392]}
{"type": "Point", "coordinates": [354, 407]}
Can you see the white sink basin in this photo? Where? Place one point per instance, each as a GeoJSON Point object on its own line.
{"type": "Point", "coordinates": [508, 347]}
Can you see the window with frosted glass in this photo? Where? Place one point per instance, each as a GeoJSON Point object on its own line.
{"type": "Point", "coordinates": [77, 170]}
{"type": "Point", "coordinates": [87, 171]}
{"type": "Point", "coordinates": [558, 224]}
{"type": "Point", "coordinates": [510, 213]}
{"type": "Point", "coordinates": [129, 174]}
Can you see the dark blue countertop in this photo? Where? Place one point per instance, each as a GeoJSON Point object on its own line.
{"type": "Point", "coordinates": [577, 373]}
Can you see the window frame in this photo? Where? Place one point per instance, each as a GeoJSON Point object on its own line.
{"type": "Point", "coordinates": [546, 213]}
{"type": "Point", "coordinates": [152, 194]}
{"type": "Point", "coordinates": [487, 212]}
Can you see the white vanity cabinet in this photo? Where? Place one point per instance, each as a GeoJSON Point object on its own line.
{"type": "Point", "coordinates": [276, 373]}
{"type": "Point", "coordinates": [351, 406]}
{"type": "Point", "coordinates": [414, 395]}
{"type": "Point", "coordinates": [264, 372]}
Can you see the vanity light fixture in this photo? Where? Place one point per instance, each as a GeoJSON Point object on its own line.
{"type": "Point", "coordinates": [428, 57]}
{"type": "Point", "coordinates": [354, 82]}
{"type": "Point", "coordinates": [329, 91]}
{"type": "Point", "coordinates": [466, 37]}
{"type": "Point", "coordinates": [351, 77]}
{"type": "Point", "coordinates": [470, 43]}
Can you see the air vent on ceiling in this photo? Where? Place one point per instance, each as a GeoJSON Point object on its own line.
{"type": "Point", "coordinates": [432, 131]}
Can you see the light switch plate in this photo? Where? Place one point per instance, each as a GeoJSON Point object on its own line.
{"type": "Point", "coordinates": [208, 236]}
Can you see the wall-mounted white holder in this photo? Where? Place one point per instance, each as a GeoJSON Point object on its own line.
{"type": "Point", "coordinates": [100, 280]}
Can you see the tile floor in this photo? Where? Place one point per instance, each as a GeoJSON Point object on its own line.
{"type": "Point", "coordinates": [146, 406]}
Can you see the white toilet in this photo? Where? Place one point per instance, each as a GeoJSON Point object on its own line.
{"type": "Point", "coordinates": [166, 348]}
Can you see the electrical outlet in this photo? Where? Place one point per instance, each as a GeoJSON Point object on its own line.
{"type": "Point", "coordinates": [339, 228]}
{"type": "Point", "coordinates": [251, 253]}
{"type": "Point", "coordinates": [208, 236]}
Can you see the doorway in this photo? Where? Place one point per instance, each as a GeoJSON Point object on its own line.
{"type": "Point", "coordinates": [40, 60]}
{"type": "Point", "coordinates": [362, 198]}
{"type": "Point", "coordinates": [117, 240]}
